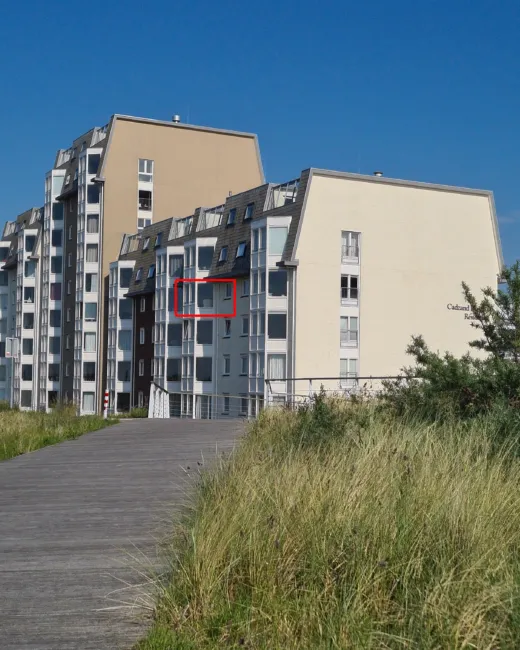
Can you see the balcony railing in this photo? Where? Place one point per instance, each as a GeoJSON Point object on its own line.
{"type": "Point", "coordinates": [145, 204]}
{"type": "Point", "coordinates": [349, 338]}
{"type": "Point", "coordinates": [350, 253]}
{"type": "Point", "coordinates": [284, 194]}
{"type": "Point", "coordinates": [349, 293]}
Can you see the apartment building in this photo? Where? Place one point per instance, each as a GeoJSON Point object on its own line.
{"type": "Point", "coordinates": [332, 273]}
{"type": "Point", "coordinates": [20, 249]}
{"type": "Point", "coordinates": [122, 177]}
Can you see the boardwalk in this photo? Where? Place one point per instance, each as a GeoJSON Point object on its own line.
{"type": "Point", "coordinates": [72, 517]}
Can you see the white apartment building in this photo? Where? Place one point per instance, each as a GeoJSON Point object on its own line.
{"type": "Point", "coordinates": [334, 274]}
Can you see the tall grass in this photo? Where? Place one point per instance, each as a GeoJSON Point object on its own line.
{"type": "Point", "coordinates": [387, 534]}
{"type": "Point", "coordinates": [24, 431]}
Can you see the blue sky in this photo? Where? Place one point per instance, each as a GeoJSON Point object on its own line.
{"type": "Point", "coordinates": [426, 91]}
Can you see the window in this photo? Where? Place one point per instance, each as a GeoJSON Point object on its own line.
{"type": "Point", "coordinates": [145, 170]}
{"type": "Point", "coordinates": [228, 291]}
{"type": "Point", "coordinates": [243, 405]}
{"type": "Point", "coordinates": [254, 241]}
{"type": "Point", "coordinates": [349, 246]}
{"type": "Point", "coordinates": [4, 278]}
{"type": "Point", "coordinates": [349, 331]}
{"type": "Point", "coordinates": [253, 366]}
{"type": "Point", "coordinates": [254, 324]}
{"type": "Point", "coordinates": [146, 243]}
{"type": "Point", "coordinates": [88, 402]}
{"type": "Point", "coordinates": [231, 217]}
{"type": "Point", "coordinates": [278, 283]}
{"type": "Point", "coordinates": [277, 239]}
{"type": "Point", "coordinates": [140, 399]}
{"type": "Point", "coordinates": [262, 281]}
{"type": "Point", "coordinates": [92, 223]}
{"type": "Point", "coordinates": [223, 254]}
{"type": "Point", "coordinates": [188, 330]}
{"type": "Point", "coordinates": [123, 370]}
{"type": "Point", "coordinates": [92, 253]}
{"type": "Point", "coordinates": [248, 214]}
{"type": "Point", "coordinates": [90, 341]}
{"type": "Point", "coordinates": [349, 288]}
{"type": "Point", "coordinates": [173, 370]}
{"type": "Point", "coordinates": [205, 295]}
{"type": "Point", "coordinates": [125, 339]}
{"type": "Point", "coordinates": [67, 369]}
{"type": "Point", "coordinates": [255, 282]}
{"type": "Point", "coordinates": [69, 260]}
{"type": "Point", "coordinates": [93, 163]}
{"type": "Point", "coordinates": [55, 318]}
{"type": "Point", "coordinates": [4, 251]}
{"type": "Point", "coordinates": [89, 371]}
{"type": "Point", "coordinates": [3, 373]}
{"type": "Point", "coordinates": [158, 240]}
{"type": "Point", "coordinates": [241, 249]}
{"type": "Point", "coordinates": [245, 287]}
{"type": "Point", "coordinates": [245, 325]}
{"type": "Point", "coordinates": [261, 239]}
{"type": "Point", "coordinates": [57, 211]}
{"type": "Point", "coordinates": [151, 271]}
{"type": "Point", "coordinates": [203, 368]}
{"type": "Point", "coordinates": [54, 372]}
{"type": "Point", "coordinates": [142, 304]}
{"type": "Point", "coordinates": [69, 285]}
{"type": "Point", "coordinates": [55, 291]}
{"type": "Point", "coordinates": [125, 275]}
{"type": "Point", "coordinates": [142, 335]}
{"type": "Point", "coordinates": [28, 294]}
{"type": "Point", "coordinates": [175, 334]}
{"type": "Point", "coordinates": [67, 342]}
{"type": "Point", "coordinates": [141, 367]}
{"type": "Point", "coordinates": [243, 364]}
{"type": "Point", "coordinates": [68, 314]}
{"type": "Point", "coordinates": [2, 350]}
{"type": "Point", "coordinates": [30, 269]}
{"type": "Point", "coordinates": [145, 200]}
{"type": "Point", "coordinates": [227, 327]}
{"type": "Point", "coordinates": [125, 308]}
{"type": "Point", "coordinates": [91, 311]}
{"type": "Point", "coordinates": [348, 372]}
{"type": "Point", "coordinates": [225, 408]}
{"type": "Point", "coordinates": [92, 193]}
{"type": "Point", "coordinates": [276, 366]}
{"type": "Point", "coordinates": [56, 237]}
{"type": "Point", "coordinates": [205, 332]}
{"type": "Point", "coordinates": [123, 402]}
{"type": "Point", "coordinates": [27, 347]}
{"type": "Point", "coordinates": [27, 372]}
{"type": "Point", "coordinates": [91, 280]}
{"type": "Point", "coordinates": [226, 369]}
{"type": "Point", "coordinates": [54, 344]}
{"type": "Point", "coordinates": [176, 264]}
{"type": "Point", "coordinates": [277, 326]}
{"type": "Point", "coordinates": [205, 257]}
{"type": "Point", "coordinates": [70, 233]}
{"type": "Point", "coordinates": [26, 398]}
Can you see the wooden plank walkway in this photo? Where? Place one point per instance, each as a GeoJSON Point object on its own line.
{"type": "Point", "coordinates": [80, 520]}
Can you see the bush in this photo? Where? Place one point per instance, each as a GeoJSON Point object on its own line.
{"type": "Point", "coordinates": [138, 412]}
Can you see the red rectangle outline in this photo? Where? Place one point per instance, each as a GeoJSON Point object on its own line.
{"type": "Point", "coordinates": [178, 281]}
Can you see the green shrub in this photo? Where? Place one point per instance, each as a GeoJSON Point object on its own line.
{"type": "Point", "coordinates": [138, 412]}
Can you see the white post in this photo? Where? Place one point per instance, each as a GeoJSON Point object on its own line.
{"type": "Point", "coordinates": [105, 405]}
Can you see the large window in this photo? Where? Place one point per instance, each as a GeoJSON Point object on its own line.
{"type": "Point", "coordinates": [54, 372]}
{"type": "Point", "coordinates": [145, 200]}
{"type": "Point", "coordinates": [92, 194]}
{"type": "Point", "coordinates": [89, 371]}
{"type": "Point", "coordinates": [28, 321]}
{"type": "Point", "coordinates": [91, 311]}
{"type": "Point", "coordinates": [56, 264]}
{"type": "Point", "coordinates": [276, 366]}
{"type": "Point", "coordinates": [176, 264]}
{"type": "Point", "coordinates": [55, 290]}
{"type": "Point", "coordinates": [205, 257]}
{"type": "Point", "coordinates": [26, 398]}
{"type": "Point", "coordinates": [54, 344]}
{"type": "Point", "coordinates": [203, 368]}
{"type": "Point", "coordinates": [27, 347]}
{"type": "Point", "coordinates": [123, 370]}
{"type": "Point", "coordinates": [93, 163]}
{"type": "Point", "coordinates": [175, 334]}
{"type": "Point", "coordinates": [92, 253]}
{"type": "Point", "coordinates": [92, 223]}
{"type": "Point", "coordinates": [205, 294]}
{"type": "Point", "coordinates": [145, 170]}
{"type": "Point", "coordinates": [90, 341]}
{"type": "Point", "coordinates": [205, 332]}
{"type": "Point", "coordinates": [349, 288]}
{"type": "Point", "coordinates": [57, 237]}
{"type": "Point", "coordinates": [125, 339]}
{"type": "Point", "coordinates": [277, 326]}
{"type": "Point", "coordinates": [349, 246]}
{"type": "Point", "coordinates": [278, 282]}
{"type": "Point", "coordinates": [57, 211]}
{"type": "Point", "coordinates": [125, 308]}
{"type": "Point", "coordinates": [55, 318]}
{"type": "Point", "coordinates": [27, 372]}
{"type": "Point", "coordinates": [348, 372]}
{"type": "Point", "coordinates": [125, 276]}
{"type": "Point", "coordinates": [277, 239]}
{"type": "Point", "coordinates": [28, 294]}
{"type": "Point", "coordinates": [349, 330]}
{"type": "Point", "coordinates": [173, 370]}
{"type": "Point", "coordinates": [91, 281]}
{"type": "Point", "coordinates": [3, 373]}
{"type": "Point", "coordinates": [88, 402]}
{"type": "Point", "coordinates": [30, 269]}
{"type": "Point", "coordinates": [4, 278]}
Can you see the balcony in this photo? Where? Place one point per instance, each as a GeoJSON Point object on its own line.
{"type": "Point", "coordinates": [145, 200]}
{"type": "Point", "coordinates": [350, 253]}
{"type": "Point", "coordinates": [284, 194]}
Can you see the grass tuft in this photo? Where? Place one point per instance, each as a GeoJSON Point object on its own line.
{"type": "Point", "coordinates": [383, 534]}
{"type": "Point", "coordinates": [25, 431]}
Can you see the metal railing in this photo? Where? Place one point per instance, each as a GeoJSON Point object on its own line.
{"type": "Point", "coordinates": [350, 253]}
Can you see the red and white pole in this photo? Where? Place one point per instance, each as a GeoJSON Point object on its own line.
{"type": "Point", "coordinates": [105, 405]}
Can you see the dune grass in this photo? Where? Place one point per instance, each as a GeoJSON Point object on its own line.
{"type": "Point", "coordinates": [386, 534]}
{"type": "Point", "coordinates": [25, 431]}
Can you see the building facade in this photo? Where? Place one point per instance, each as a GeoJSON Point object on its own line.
{"type": "Point", "coordinates": [331, 275]}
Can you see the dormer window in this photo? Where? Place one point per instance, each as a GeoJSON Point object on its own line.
{"type": "Point", "coordinates": [139, 274]}
{"type": "Point", "coordinates": [151, 272]}
{"type": "Point", "coordinates": [146, 243]}
{"type": "Point", "coordinates": [241, 249]}
{"type": "Point", "coordinates": [223, 254]}
{"type": "Point", "coordinates": [232, 217]}
{"type": "Point", "coordinates": [248, 214]}
{"type": "Point", "coordinates": [158, 240]}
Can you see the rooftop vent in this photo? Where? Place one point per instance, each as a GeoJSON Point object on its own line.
{"type": "Point", "coordinates": [176, 119]}
{"type": "Point", "coordinates": [378, 173]}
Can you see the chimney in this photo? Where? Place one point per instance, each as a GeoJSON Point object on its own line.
{"type": "Point", "coordinates": [176, 119]}
{"type": "Point", "coordinates": [378, 173]}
